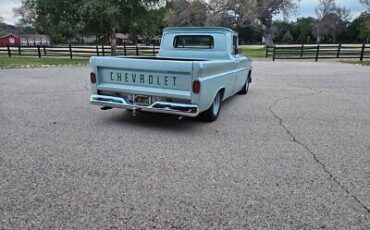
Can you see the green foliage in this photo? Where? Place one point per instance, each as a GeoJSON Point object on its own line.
{"type": "Point", "coordinates": [99, 17]}
{"type": "Point", "coordinates": [305, 30]}
{"type": "Point", "coordinates": [57, 18]}
{"type": "Point", "coordinates": [364, 26]}
{"type": "Point", "coordinates": [287, 38]}
{"type": "Point", "coordinates": [249, 35]}
{"type": "Point", "coordinates": [282, 30]}
{"type": "Point", "coordinates": [64, 20]}
{"type": "Point", "coordinates": [151, 24]}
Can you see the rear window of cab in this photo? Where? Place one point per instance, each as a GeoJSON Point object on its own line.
{"type": "Point", "coordinates": [193, 41]}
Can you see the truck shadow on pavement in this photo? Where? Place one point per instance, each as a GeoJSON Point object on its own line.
{"type": "Point", "coordinates": [164, 121]}
{"type": "Point", "coordinates": [152, 120]}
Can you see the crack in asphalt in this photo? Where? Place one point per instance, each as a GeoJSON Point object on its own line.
{"type": "Point", "coordinates": [314, 156]}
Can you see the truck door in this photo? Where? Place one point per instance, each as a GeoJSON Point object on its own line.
{"type": "Point", "coordinates": [241, 75]}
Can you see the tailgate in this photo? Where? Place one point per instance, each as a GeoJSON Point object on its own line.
{"type": "Point", "coordinates": [144, 76]}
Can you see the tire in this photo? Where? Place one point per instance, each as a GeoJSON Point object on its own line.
{"type": "Point", "coordinates": [245, 88]}
{"type": "Point", "coordinates": [212, 113]}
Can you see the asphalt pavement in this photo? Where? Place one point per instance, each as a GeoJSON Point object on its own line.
{"type": "Point", "coordinates": [292, 154]}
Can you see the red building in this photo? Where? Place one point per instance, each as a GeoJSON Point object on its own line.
{"type": "Point", "coordinates": [10, 40]}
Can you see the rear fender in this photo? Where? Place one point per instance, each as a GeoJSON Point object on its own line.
{"type": "Point", "coordinates": [209, 102]}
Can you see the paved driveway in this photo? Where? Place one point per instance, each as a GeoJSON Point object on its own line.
{"type": "Point", "coordinates": [292, 154]}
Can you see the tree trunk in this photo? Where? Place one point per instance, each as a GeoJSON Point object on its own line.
{"type": "Point", "coordinates": [267, 39]}
{"type": "Point", "coordinates": [113, 43]}
{"type": "Point", "coordinates": [267, 31]}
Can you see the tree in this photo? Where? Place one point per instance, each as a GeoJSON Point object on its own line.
{"type": "Point", "coordinates": [358, 30]}
{"type": "Point", "coordinates": [305, 27]}
{"type": "Point", "coordinates": [364, 27]}
{"type": "Point", "coordinates": [332, 19]}
{"type": "Point", "coordinates": [226, 13]}
{"type": "Point", "coordinates": [254, 12]}
{"type": "Point", "coordinates": [287, 38]}
{"type": "Point", "coordinates": [99, 16]}
{"type": "Point", "coordinates": [64, 20]}
{"type": "Point", "coordinates": [281, 29]}
{"type": "Point", "coordinates": [27, 12]}
{"type": "Point", "coordinates": [152, 24]}
{"type": "Point", "coordinates": [111, 16]}
{"type": "Point", "coordinates": [266, 9]}
{"type": "Point", "coordinates": [56, 18]}
{"type": "Point", "coordinates": [187, 13]}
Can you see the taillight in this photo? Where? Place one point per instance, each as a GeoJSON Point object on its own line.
{"type": "Point", "coordinates": [93, 78]}
{"type": "Point", "coordinates": [196, 86]}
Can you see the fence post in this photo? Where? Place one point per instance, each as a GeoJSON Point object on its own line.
{"type": "Point", "coordinates": [70, 51]}
{"type": "Point", "coordinates": [137, 50]}
{"type": "Point", "coordinates": [9, 52]}
{"type": "Point", "coordinates": [39, 51]}
{"type": "Point", "coordinates": [124, 49]}
{"type": "Point", "coordinates": [153, 49]}
{"type": "Point", "coordinates": [302, 49]}
{"type": "Point", "coordinates": [273, 54]}
{"type": "Point", "coordinates": [97, 50]}
{"type": "Point", "coordinates": [103, 50]}
{"type": "Point", "coordinates": [44, 50]}
{"type": "Point", "coordinates": [362, 52]}
{"type": "Point", "coordinates": [19, 50]}
{"type": "Point", "coordinates": [317, 53]}
{"type": "Point", "coordinates": [339, 49]}
{"type": "Point", "coordinates": [267, 50]}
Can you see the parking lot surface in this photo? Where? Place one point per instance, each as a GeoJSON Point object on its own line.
{"type": "Point", "coordinates": [292, 154]}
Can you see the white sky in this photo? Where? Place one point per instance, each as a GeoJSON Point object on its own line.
{"type": "Point", "coordinates": [6, 10]}
{"type": "Point", "coordinates": [307, 8]}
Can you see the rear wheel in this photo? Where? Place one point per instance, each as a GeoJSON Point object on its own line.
{"type": "Point", "coordinates": [245, 88]}
{"type": "Point", "coordinates": [212, 113]}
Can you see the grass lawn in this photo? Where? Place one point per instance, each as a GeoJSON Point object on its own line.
{"type": "Point", "coordinates": [367, 63]}
{"type": "Point", "coordinates": [254, 52]}
{"type": "Point", "coordinates": [17, 62]}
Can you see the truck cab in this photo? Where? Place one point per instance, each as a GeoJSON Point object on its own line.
{"type": "Point", "coordinates": [195, 70]}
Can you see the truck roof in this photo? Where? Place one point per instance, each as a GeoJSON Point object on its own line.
{"type": "Point", "coordinates": [199, 29]}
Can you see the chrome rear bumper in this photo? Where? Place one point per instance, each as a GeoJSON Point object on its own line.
{"type": "Point", "coordinates": [179, 109]}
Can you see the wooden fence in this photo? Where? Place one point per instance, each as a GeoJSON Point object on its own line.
{"type": "Point", "coordinates": [72, 52]}
{"type": "Point", "coordinates": [316, 52]}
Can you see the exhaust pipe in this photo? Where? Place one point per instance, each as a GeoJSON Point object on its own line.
{"type": "Point", "coordinates": [106, 108]}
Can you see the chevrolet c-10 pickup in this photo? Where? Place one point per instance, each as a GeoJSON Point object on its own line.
{"type": "Point", "coordinates": [195, 70]}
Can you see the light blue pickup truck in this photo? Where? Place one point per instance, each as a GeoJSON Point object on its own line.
{"type": "Point", "coordinates": [196, 69]}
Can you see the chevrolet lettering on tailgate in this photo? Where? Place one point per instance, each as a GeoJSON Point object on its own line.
{"type": "Point", "coordinates": [142, 78]}
{"type": "Point", "coordinates": [195, 70]}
